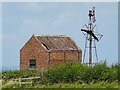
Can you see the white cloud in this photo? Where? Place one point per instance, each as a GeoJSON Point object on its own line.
{"type": "Point", "coordinates": [34, 27]}
{"type": "Point", "coordinates": [8, 37]}
{"type": "Point", "coordinates": [65, 18]}
{"type": "Point", "coordinates": [39, 6]}
{"type": "Point", "coordinates": [33, 6]}
{"type": "Point", "coordinates": [61, 20]}
{"type": "Point", "coordinates": [7, 40]}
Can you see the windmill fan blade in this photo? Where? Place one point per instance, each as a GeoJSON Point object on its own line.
{"type": "Point", "coordinates": [87, 31]}
{"type": "Point", "coordinates": [86, 26]}
{"type": "Point", "coordinates": [98, 35]}
{"type": "Point", "coordinates": [90, 32]}
{"type": "Point", "coordinates": [94, 36]}
{"type": "Point", "coordinates": [94, 27]}
{"type": "Point", "coordinates": [83, 30]}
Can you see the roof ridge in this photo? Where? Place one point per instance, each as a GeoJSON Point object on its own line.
{"type": "Point", "coordinates": [41, 35]}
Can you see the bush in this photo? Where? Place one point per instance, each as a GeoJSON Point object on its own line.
{"type": "Point", "coordinates": [99, 71]}
{"type": "Point", "coordinates": [65, 72]}
{"type": "Point", "coordinates": [75, 72]}
{"type": "Point", "coordinates": [70, 73]}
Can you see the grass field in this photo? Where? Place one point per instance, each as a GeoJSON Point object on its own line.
{"type": "Point", "coordinates": [66, 75]}
{"type": "Point", "coordinates": [67, 85]}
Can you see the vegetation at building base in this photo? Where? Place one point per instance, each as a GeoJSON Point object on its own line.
{"type": "Point", "coordinates": [68, 75]}
{"type": "Point", "coordinates": [67, 85]}
{"type": "Point", "coordinates": [74, 72]}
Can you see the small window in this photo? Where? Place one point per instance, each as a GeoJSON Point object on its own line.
{"type": "Point", "coordinates": [32, 63]}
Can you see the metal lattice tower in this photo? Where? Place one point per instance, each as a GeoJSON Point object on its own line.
{"type": "Point", "coordinates": [91, 37]}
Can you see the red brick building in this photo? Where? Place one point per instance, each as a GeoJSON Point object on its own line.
{"type": "Point", "coordinates": [44, 50]}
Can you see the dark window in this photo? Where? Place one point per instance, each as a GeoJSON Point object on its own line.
{"type": "Point", "coordinates": [32, 63]}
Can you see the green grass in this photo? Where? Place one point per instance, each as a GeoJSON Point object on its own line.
{"type": "Point", "coordinates": [67, 75]}
{"type": "Point", "coordinates": [67, 85]}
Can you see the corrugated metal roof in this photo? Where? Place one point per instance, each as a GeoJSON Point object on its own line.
{"type": "Point", "coordinates": [57, 42]}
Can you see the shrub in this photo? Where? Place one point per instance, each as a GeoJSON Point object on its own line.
{"type": "Point", "coordinates": [65, 72]}
{"type": "Point", "coordinates": [75, 72]}
{"type": "Point", "coordinates": [100, 70]}
{"type": "Point", "coordinates": [69, 73]}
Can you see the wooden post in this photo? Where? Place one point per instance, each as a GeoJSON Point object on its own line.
{"type": "Point", "coordinates": [20, 81]}
{"type": "Point", "coordinates": [31, 81]}
{"type": "Point", "coordinates": [42, 70]}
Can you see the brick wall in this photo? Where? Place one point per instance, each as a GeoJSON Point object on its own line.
{"type": "Point", "coordinates": [57, 57]}
{"type": "Point", "coordinates": [34, 50]}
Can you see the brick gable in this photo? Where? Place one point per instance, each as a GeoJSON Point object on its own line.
{"type": "Point", "coordinates": [47, 50]}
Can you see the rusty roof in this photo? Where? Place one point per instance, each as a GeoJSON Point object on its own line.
{"type": "Point", "coordinates": [57, 42]}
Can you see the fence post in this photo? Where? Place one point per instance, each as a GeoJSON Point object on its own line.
{"type": "Point", "coordinates": [42, 70]}
{"type": "Point", "coordinates": [31, 81]}
{"type": "Point", "coordinates": [20, 81]}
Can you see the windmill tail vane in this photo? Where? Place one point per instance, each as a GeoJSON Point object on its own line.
{"type": "Point", "coordinates": [91, 37]}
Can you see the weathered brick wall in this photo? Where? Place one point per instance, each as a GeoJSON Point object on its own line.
{"type": "Point", "coordinates": [32, 50]}
{"type": "Point", "coordinates": [57, 57]}
{"type": "Point", "coordinates": [74, 56]}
